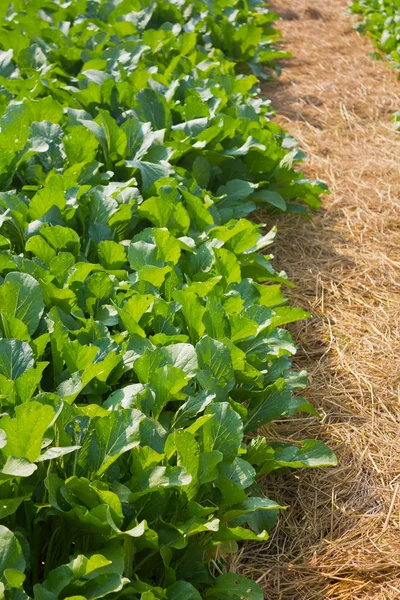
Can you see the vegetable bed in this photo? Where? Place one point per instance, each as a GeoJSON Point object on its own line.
{"type": "Point", "coordinates": [381, 21]}
{"type": "Point", "coordinates": [141, 339]}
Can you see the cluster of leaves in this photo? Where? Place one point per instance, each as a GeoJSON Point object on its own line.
{"type": "Point", "coordinates": [141, 337]}
{"type": "Point", "coordinates": [381, 21]}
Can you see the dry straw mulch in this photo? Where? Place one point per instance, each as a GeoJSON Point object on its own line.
{"type": "Point", "coordinates": [340, 538]}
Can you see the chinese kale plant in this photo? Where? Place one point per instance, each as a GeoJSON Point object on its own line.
{"type": "Point", "coordinates": [381, 21]}
{"type": "Point", "coordinates": [141, 338]}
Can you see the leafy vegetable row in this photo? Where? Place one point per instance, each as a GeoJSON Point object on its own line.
{"type": "Point", "coordinates": [381, 21]}
{"type": "Point", "coordinates": [141, 337]}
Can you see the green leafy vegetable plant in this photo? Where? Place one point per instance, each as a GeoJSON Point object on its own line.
{"type": "Point", "coordinates": [141, 322]}
{"type": "Point", "coordinates": [381, 21]}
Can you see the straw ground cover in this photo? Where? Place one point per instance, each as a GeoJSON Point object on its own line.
{"type": "Point", "coordinates": [340, 539]}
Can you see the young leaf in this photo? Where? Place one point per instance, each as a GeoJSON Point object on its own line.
{"type": "Point", "coordinates": [16, 357]}
{"type": "Point", "coordinates": [224, 431]}
{"type": "Point", "coordinates": [26, 430]}
{"type": "Point", "coordinates": [182, 590]}
{"type": "Point", "coordinates": [11, 556]}
{"type": "Point", "coordinates": [112, 436]}
{"type": "Point", "coordinates": [234, 586]}
{"type": "Point", "coordinates": [22, 297]}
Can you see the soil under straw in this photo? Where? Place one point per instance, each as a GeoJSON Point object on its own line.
{"type": "Point", "coordinates": [340, 538]}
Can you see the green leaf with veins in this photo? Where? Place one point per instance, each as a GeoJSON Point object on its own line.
{"type": "Point", "coordinates": [11, 556]}
{"type": "Point", "coordinates": [224, 432]}
{"type": "Point", "coordinates": [26, 430]}
{"type": "Point", "coordinates": [111, 437]}
{"type": "Point", "coordinates": [16, 357]}
{"type": "Point", "coordinates": [21, 297]}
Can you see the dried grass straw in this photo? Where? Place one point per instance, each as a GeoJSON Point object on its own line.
{"type": "Point", "coordinates": [340, 538]}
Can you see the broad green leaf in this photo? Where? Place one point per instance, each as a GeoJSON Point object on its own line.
{"type": "Point", "coordinates": [80, 145]}
{"type": "Point", "coordinates": [11, 556]}
{"type": "Point", "coordinates": [193, 312]}
{"type": "Point", "coordinates": [56, 452]}
{"type": "Point", "coordinates": [192, 407]}
{"type": "Point", "coordinates": [152, 107]}
{"type": "Point", "coordinates": [26, 430]}
{"type": "Point", "coordinates": [22, 297]}
{"type": "Point", "coordinates": [14, 578]}
{"type": "Point", "coordinates": [227, 265]}
{"type": "Point", "coordinates": [17, 467]}
{"type": "Point", "coordinates": [208, 470]}
{"type": "Point", "coordinates": [27, 383]}
{"type": "Point", "coordinates": [114, 135]}
{"type": "Point", "coordinates": [251, 505]}
{"type": "Point", "coordinates": [82, 566]}
{"type": "Point", "coordinates": [16, 357]}
{"type": "Point", "coordinates": [130, 396]}
{"type": "Point", "coordinates": [113, 435]}
{"type": "Point", "coordinates": [61, 238]}
{"type": "Point", "coordinates": [69, 389]}
{"type": "Point", "coordinates": [111, 255]}
{"type": "Point", "coordinates": [224, 432]}
{"type": "Point", "coordinates": [44, 200]}
{"type": "Point", "coordinates": [182, 590]}
{"type": "Point", "coordinates": [197, 210]}
{"type": "Point", "coordinates": [188, 452]}
{"type": "Point", "coordinates": [275, 401]}
{"type": "Point", "coordinates": [141, 254]}
{"type": "Point", "coordinates": [239, 534]}
{"type": "Point", "coordinates": [237, 189]}
{"type": "Point", "coordinates": [167, 382]}
{"type": "Point", "coordinates": [312, 454]}
{"type": "Point", "coordinates": [40, 248]}
{"type": "Point", "coordinates": [270, 197]}
{"type": "Point", "coordinates": [158, 478]}
{"type": "Point", "coordinates": [235, 586]}
{"type": "Point", "coordinates": [150, 172]}
{"type": "Point", "coordinates": [215, 366]}
{"type": "Point", "coordinates": [182, 356]}
{"type": "Point", "coordinates": [288, 314]}
{"type": "Point", "coordinates": [239, 471]}
{"type": "Point", "coordinates": [215, 320]}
